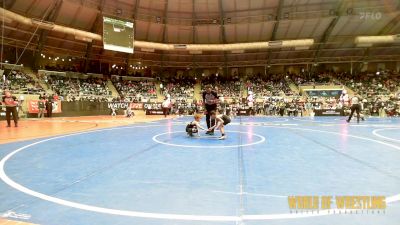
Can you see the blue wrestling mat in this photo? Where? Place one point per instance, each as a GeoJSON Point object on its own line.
{"type": "Point", "coordinates": [153, 173]}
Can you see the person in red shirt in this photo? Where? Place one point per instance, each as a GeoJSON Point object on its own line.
{"type": "Point", "coordinates": [11, 104]}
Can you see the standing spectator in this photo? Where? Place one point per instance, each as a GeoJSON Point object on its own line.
{"type": "Point", "coordinates": [21, 102]}
{"type": "Point", "coordinates": [41, 106]}
{"type": "Point", "coordinates": [49, 106]}
{"type": "Point", "coordinates": [250, 103]}
{"type": "Point", "coordinates": [11, 104]}
{"type": "Point", "coordinates": [210, 100]}
{"type": "Point", "coordinates": [281, 106]}
{"type": "Point", "coordinates": [381, 107]}
{"type": "Point", "coordinates": [161, 88]}
{"type": "Point", "coordinates": [309, 108]}
{"type": "Point", "coordinates": [166, 105]}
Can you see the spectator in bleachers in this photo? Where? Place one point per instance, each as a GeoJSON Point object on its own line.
{"type": "Point", "coordinates": [136, 91]}
{"type": "Point", "coordinates": [71, 89]}
{"type": "Point", "coordinates": [19, 83]}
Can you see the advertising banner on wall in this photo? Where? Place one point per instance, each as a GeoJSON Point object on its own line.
{"type": "Point", "coordinates": [33, 106]}
{"type": "Point", "coordinates": [124, 105]}
{"type": "Point", "coordinates": [153, 108]}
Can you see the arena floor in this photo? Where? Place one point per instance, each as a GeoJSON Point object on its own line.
{"type": "Point", "coordinates": [124, 172]}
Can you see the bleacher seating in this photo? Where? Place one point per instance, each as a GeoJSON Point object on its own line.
{"type": "Point", "coordinates": [20, 83]}
{"type": "Point", "coordinates": [79, 89]}
{"type": "Point", "coordinates": [138, 91]}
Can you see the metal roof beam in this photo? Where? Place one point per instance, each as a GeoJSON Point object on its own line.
{"type": "Point", "coordinates": [51, 17]}
{"type": "Point", "coordinates": [135, 14]}
{"type": "Point", "coordinates": [193, 31]}
{"type": "Point", "coordinates": [223, 34]}
{"type": "Point", "coordinates": [328, 32]}
{"type": "Point", "coordinates": [278, 17]}
{"type": "Point", "coordinates": [94, 29]}
{"type": "Point", "coordinates": [384, 31]}
{"type": "Point", "coordinates": [164, 31]}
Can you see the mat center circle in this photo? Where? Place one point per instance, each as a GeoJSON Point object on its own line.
{"type": "Point", "coordinates": [233, 139]}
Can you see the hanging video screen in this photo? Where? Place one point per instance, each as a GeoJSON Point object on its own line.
{"type": "Point", "coordinates": [118, 35]}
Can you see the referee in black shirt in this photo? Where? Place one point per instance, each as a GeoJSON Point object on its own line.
{"type": "Point", "coordinates": [210, 100]}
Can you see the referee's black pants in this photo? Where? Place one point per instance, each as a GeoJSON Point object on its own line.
{"type": "Point", "coordinates": [209, 121]}
{"type": "Point", "coordinates": [13, 111]}
{"type": "Point", "coordinates": [49, 109]}
{"type": "Point", "coordinates": [357, 109]}
{"type": "Point", "coordinates": [165, 111]}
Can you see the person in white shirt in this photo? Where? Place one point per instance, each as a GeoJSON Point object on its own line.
{"type": "Point", "coordinates": [250, 103]}
{"type": "Point", "coordinates": [344, 98]}
{"type": "Point", "coordinates": [166, 105]}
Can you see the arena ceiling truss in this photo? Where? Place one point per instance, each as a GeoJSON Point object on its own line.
{"type": "Point", "coordinates": [332, 24]}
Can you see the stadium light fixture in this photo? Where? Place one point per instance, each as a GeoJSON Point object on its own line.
{"type": "Point", "coordinates": [369, 40]}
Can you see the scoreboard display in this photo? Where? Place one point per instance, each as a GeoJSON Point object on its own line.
{"type": "Point", "coordinates": [118, 35]}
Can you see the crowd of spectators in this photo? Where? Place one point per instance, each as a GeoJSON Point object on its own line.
{"type": "Point", "coordinates": [274, 85]}
{"type": "Point", "coordinates": [369, 85]}
{"type": "Point", "coordinates": [72, 89]}
{"type": "Point", "coordinates": [379, 92]}
{"type": "Point", "coordinates": [178, 89]}
{"type": "Point", "coordinates": [20, 83]}
{"type": "Point", "coordinates": [322, 78]}
{"type": "Point", "coordinates": [226, 87]}
{"type": "Point", "coordinates": [135, 91]}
